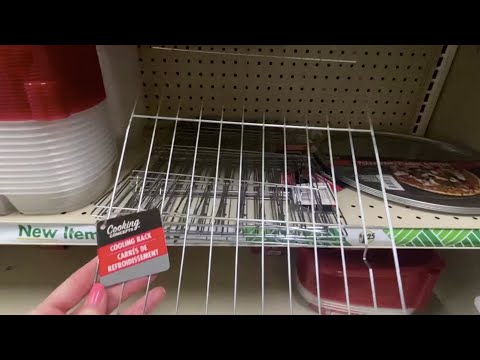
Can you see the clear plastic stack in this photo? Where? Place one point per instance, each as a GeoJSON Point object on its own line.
{"type": "Point", "coordinates": [57, 150]}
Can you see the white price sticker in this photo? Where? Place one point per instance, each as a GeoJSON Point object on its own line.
{"type": "Point", "coordinates": [375, 237]}
{"type": "Point", "coordinates": [391, 183]}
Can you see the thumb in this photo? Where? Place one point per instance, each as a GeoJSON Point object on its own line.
{"type": "Point", "coordinates": [96, 302]}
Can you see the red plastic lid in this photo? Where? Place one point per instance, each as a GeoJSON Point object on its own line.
{"type": "Point", "coordinates": [419, 270]}
{"type": "Point", "coordinates": [48, 82]}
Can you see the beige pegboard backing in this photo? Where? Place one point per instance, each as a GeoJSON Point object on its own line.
{"type": "Point", "coordinates": [298, 81]}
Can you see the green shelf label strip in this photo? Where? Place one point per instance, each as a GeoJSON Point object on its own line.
{"type": "Point", "coordinates": [328, 237]}
{"type": "Point", "coordinates": [409, 237]}
{"type": "Point", "coordinates": [436, 237]}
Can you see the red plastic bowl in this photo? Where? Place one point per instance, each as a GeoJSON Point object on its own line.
{"type": "Point", "coordinates": [419, 271]}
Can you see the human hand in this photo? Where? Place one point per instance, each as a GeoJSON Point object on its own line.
{"type": "Point", "coordinates": [66, 298]}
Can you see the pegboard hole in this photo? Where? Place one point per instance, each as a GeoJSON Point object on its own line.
{"type": "Point", "coordinates": [399, 217]}
{"type": "Point", "coordinates": [436, 217]}
{"type": "Point", "coordinates": [418, 217]}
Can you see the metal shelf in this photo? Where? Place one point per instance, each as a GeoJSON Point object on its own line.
{"type": "Point", "coordinates": [222, 195]}
{"type": "Point", "coordinates": [203, 155]}
{"type": "Point", "coordinates": [412, 227]}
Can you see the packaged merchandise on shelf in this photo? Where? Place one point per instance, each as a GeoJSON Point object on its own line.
{"type": "Point", "coordinates": [419, 271]}
{"type": "Point", "coordinates": [416, 172]}
{"type": "Point", "coordinates": [57, 150]}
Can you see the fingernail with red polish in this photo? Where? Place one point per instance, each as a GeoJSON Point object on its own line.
{"type": "Point", "coordinates": [96, 294]}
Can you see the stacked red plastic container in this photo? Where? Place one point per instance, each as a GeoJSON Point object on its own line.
{"type": "Point", "coordinates": [52, 105]}
{"type": "Point", "coordinates": [419, 271]}
{"type": "Point", "coordinates": [48, 82]}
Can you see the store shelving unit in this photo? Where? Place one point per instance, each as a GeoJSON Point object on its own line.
{"type": "Point", "coordinates": [255, 97]}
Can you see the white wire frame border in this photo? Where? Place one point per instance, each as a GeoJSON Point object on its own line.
{"type": "Point", "coordinates": [284, 126]}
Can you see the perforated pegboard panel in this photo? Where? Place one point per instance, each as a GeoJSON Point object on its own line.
{"type": "Point", "coordinates": [392, 82]}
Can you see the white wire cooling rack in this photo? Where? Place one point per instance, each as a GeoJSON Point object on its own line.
{"type": "Point", "coordinates": [221, 182]}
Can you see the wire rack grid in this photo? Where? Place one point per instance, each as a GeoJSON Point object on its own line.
{"type": "Point", "coordinates": [238, 183]}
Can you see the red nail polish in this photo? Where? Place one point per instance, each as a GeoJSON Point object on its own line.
{"type": "Point", "coordinates": [96, 294]}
